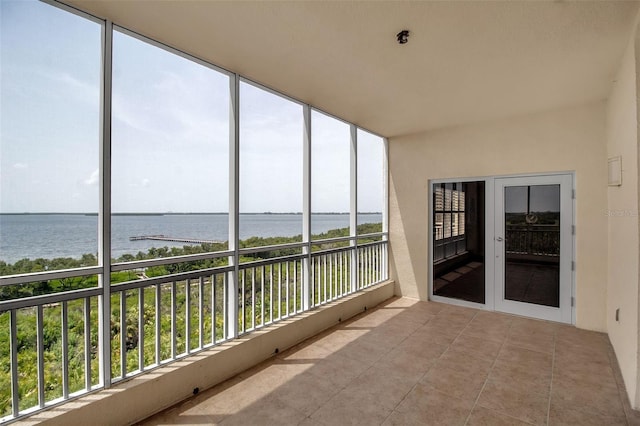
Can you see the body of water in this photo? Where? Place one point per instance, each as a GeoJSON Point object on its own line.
{"type": "Point", "coordinates": [72, 235]}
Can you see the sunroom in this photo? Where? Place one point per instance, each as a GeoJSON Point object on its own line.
{"type": "Point", "coordinates": [190, 189]}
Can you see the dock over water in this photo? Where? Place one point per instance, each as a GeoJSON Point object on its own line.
{"type": "Point", "coordinates": [173, 239]}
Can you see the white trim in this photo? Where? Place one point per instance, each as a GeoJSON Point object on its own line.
{"type": "Point", "coordinates": [307, 262]}
{"type": "Point", "coordinates": [231, 321]}
{"type": "Point", "coordinates": [568, 314]}
{"type": "Point", "coordinates": [489, 247]}
{"type": "Point", "coordinates": [104, 207]}
{"type": "Point", "coordinates": [270, 90]}
{"type": "Point", "coordinates": [488, 305]}
{"type": "Point", "coordinates": [353, 205]}
{"type": "Point", "coordinates": [173, 50]}
{"type": "Point", "coordinates": [385, 186]}
{"type": "Point", "coordinates": [75, 11]}
{"type": "Point", "coordinates": [563, 313]}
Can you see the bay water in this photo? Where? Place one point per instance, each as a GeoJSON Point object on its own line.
{"type": "Point", "coordinates": [72, 235]}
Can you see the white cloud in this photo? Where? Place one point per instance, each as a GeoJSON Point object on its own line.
{"type": "Point", "coordinates": [93, 179]}
{"type": "Point", "coordinates": [20, 166]}
{"type": "Point", "coordinates": [84, 91]}
{"type": "Point", "coordinates": [145, 182]}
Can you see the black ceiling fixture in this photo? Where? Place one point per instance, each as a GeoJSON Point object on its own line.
{"type": "Point", "coordinates": [403, 36]}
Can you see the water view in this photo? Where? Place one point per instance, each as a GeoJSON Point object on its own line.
{"type": "Point", "coordinates": [72, 235]}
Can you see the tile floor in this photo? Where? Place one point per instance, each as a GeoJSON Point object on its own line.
{"type": "Point", "coordinates": [408, 362]}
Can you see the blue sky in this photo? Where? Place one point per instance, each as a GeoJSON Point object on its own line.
{"type": "Point", "coordinates": [169, 129]}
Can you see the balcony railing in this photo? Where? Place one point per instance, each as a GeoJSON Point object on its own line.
{"type": "Point", "coordinates": [535, 240]}
{"type": "Point", "coordinates": [89, 339]}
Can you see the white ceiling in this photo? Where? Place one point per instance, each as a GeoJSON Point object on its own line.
{"type": "Point", "coordinates": [464, 62]}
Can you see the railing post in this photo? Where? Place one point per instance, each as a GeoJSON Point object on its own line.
{"type": "Point", "coordinates": [353, 210]}
{"type": "Point", "coordinates": [234, 207]}
{"type": "Point", "coordinates": [306, 210]}
{"type": "Point", "coordinates": [385, 206]}
{"type": "Point", "coordinates": [104, 212]}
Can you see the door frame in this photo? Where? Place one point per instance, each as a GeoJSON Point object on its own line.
{"type": "Point", "coordinates": [490, 235]}
{"type": "Point", "coordinates": [563, 312]}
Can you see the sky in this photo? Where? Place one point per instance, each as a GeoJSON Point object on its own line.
{"type": "Point", "coordinates": [170, 130]}
{"type": "Point", "coordinates": [542, 198]}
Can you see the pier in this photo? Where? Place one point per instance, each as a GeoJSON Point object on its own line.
{"type": "Point", "coordinates": [173, 239]}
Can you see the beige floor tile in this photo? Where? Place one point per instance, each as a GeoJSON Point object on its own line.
{"type": "Point", "coordinates": [529, 407]}
{"type": "Point", "coordinates": [428, 335]}
{"type": "Point", "coordinates": [572, 351]}
{"type": "Point", "coordinates": [585, 372]}
{"type": "Point", "coordinates": [530, 325]}
{"type": "Point", "coordinates": [533, 360]}
{"type": "Point", "coordinates": [308, 421]}
{"type": "Point", "coordinates": [560, 414]}
{"type": "Point", "coordinates": [268, 411]}
{"type": "Point", "coordinates": [338, 370]}
{"type": "Point", "coordinates": [443, 326]}
{"type": "Point", "coordinates": [245, 392]}
{"type": "Point", "coordinates": [398, 362]}
{"type": "Point", "coordinates": [382, 339]}
{"type": "Point", "coordinates": [432, 308]}
{"type": "Point", "coordinates": [453, 382]}
{"type": "Point", "coordinates": [633, 416]}
{"type": "Point", "coordinates": [309, 351]}
{"type": "Point", "coordinates": [365, 351]}
{"type": "Point", "coordinates": [340, 338]}
{"type": "Point", "coordinates": [350, 408]}
{"type": "Point", "coordinates": [180, 419]}
{"type": "Point", "coordinates": [414, 315]}
{"type": "Point", "coordinates": [454, 317]}
{"type": "Point", "coordinates": [403, 302]}
{"type": "Point", "coordinates": [392, 333]}
{"type": "Point", "coordinates": [427, 406]}
{"type": "Point", "coordinates": [539, 342]}
{"type": "Point", "coordinates": [520, 377]}
{"type": "Point", "coordinates": [477, 347]}
{"type": "Point", "coordinates": [419, 348]}
{"type": "Point", "coordinates": [463, 362]}
{"type": "Point", "coordinates": [387, 390]}
{"type": "Point", "coordinates": [306, 393]}
{"type": "Point", "coordinates": [411, 362]}
{"type": "Point", "coordinates": [469, 312]}
{"type": "Point", "coordinates": [493, 318]}
{"type": "Point", "coordinates": [481, 416]}
{"type": "Point", "coordinates": [590, 398]}
{"type": "Point", "coordinates": [497, 333]}
{"type": "Point", "coordinates": [580, 337]}
{"type": "Point", "coordinates": [374, 317]}
{"type": "Point", "coordinates": [205, 410]}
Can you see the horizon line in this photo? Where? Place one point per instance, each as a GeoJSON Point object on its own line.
{"type": "Point", "coordinates": [174, 213]}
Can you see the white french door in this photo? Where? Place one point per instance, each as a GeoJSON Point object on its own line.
{"type": "Point", "coordinates": [533, 246]}
{"type": "Point", "coordinates": [504, 244]}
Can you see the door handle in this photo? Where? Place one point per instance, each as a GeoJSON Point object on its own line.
{"type": "Point", "coordinates": [499, 239]}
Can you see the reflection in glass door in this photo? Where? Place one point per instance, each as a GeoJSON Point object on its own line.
{"type": "Point", "coordinates": [533, 246]}
{"type": "Point", "coordinates": [458, 241]}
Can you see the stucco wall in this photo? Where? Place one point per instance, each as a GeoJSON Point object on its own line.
{"type": "Point", "coordinates": [571, 139]}
{"type": "Point", "coordinates": [622, 277]}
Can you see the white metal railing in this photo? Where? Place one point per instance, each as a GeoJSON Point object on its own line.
{"type": "Point", "coordinates": [269, 290]}
{"type": "Point", "coordinates": [158, 320]}
{"type": "Point", "coordinates": [154, 321]}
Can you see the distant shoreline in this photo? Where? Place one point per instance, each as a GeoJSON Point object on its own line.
{"type": "Point", "coordinates": [174, 214]}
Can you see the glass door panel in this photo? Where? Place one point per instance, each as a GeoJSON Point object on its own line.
{"type": "Point", "coordinates": [533, 246]}
{"type": "Point", "coordinates": [458, 241]}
